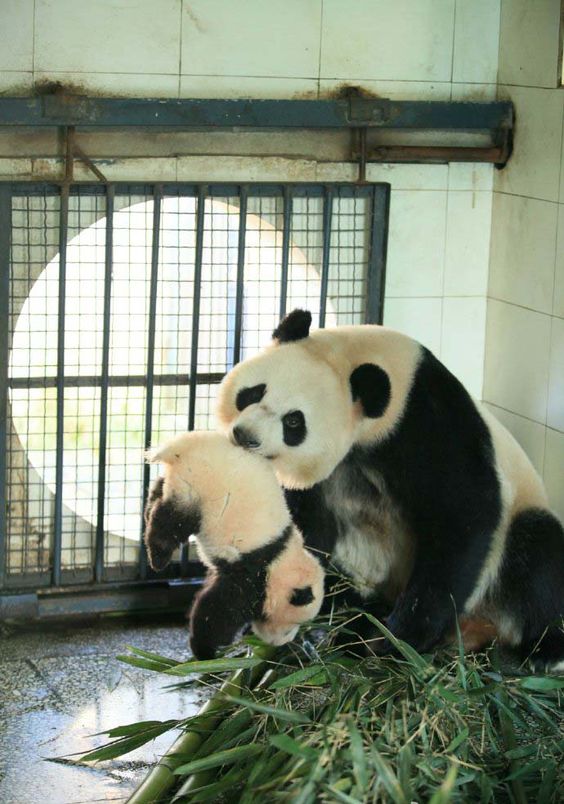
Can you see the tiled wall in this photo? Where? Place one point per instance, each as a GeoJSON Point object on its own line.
{"type": "Point", "coordinates": [524, 367]}
{"type": "Point", "coordinates": [412, 49]}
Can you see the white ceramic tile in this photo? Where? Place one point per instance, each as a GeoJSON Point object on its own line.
{"type": "Point", "coordinates": [561, 191]}
{"type": "Point", "coordinates": [517, 360]}
{"type": "Point", "coordinates": [251, 37]}
{"type": "Point", "coordinates": [523, 251]}
{"type": "Point", "coordinates": [528, 46]}
{"type": "Point", "coordinates": [401, 177]}
{"type": "Point", "coordinates": [16, 34]}
{"type": "Point", "coordinates": [418, 318]}
{"type": "Point", "coordinates": [555, 417]}
{"type": "Point", "coordinates": [463, 341]}
{"type": "Point", "coordinates": [16, 143]}
{"type": "Point", "coordinates": [554, 470]}
{"type": "Point", "coordinates": [477, 21]}
{"type": "Point", "coordinates": [558, 306]}
{"type": "Point", "coordinates": [405, 40]}
{"type": "Point", "coordinates": [15, 169]}
{"type": "Point", "coordinates": [233, 168]}
{"type": "Point", "coordinates": [395, 90]}
{"type": "Point", "coordinates": [117, 85]}
{"type": "Point", "coordinates": [474, 92]}
{"type": "Point", "coordinates": [467, 255]}
{"type": "Point", "coordinates": [139, 36]}
{"type": "Point", "coordinates": [534, 166]}
{"type": "Point", "coordinates": [416, 244]}
{"type": "Point", "coordinates": [14, 83]}
{"type": "Point", "coordinates": [221, 86]}
{"type": "Point", "coordinates": [337, 171]}
{"type": "Point", "coordinates": [470, 176]}
{"type": "Point", "coordinates": [529, 434]}
{"type": "Point", "coordinates": [126, 170]}
{"type": "Point", "coordinates": [410, 177]}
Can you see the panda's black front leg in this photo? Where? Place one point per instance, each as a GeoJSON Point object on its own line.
{"type": "Point", "coordinates": [437, 590]}
{"type": "Point", "coordinates": [314, 519]}
{"type": "Point", "coordinates": [421, 617]}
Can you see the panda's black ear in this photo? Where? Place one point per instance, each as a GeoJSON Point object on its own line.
{"type": "Point", "coordinates": [371, 385]}
{"type": "Point", "coordinates": [294, 327]}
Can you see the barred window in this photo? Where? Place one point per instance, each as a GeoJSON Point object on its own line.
{"type": "Point", "coordinates": [125, 308]}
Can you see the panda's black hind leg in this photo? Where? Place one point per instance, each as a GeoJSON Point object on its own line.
{"type": "Point", "coordinates": [530, 590]}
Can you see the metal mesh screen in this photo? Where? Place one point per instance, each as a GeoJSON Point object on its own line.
{"type": "Point", "coordinates": [125, 306]}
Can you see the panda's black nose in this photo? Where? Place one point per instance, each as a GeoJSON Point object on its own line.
{"type": "Point", "coordinates": [244, 438]}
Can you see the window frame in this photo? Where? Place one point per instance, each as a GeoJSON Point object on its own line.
{"type": "Point", "coordinates": [101, 578]}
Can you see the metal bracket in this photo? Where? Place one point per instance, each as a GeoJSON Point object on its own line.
{"type": "Point", "coordinates": [74, 151]}
{"type": "Point", "coordinates": [365, 111]}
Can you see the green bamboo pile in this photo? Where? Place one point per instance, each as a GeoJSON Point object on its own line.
{"type": "Point", "coordinates": [310, 723]}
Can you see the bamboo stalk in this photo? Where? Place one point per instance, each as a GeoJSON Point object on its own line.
{"type": "Point", "coordinates": [161, 778]}
{"type": "Point", "coordinates": [197, 780]}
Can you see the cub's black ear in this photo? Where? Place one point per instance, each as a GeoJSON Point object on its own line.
{"type": "Point", "coordinates": [294, 327]}
{"type": "Point", "coordinates": [216, 617]}
{"type": "Point", "coordinates": [166, 527]}
{"type": "Point", "coordinates": [371, 385]}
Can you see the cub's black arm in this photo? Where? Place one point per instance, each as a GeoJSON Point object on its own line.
{"type": "Point", "coordinates": [219, 611]}
{"type": "Point", "coordinates": [166, 526]}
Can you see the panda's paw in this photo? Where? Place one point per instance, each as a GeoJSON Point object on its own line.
{"type": "Point", "coordinates": [546, 654]}
{"type": "Point", "coordinates": [421, 626]}
{"type": "Point", "coordinates": [379, 645]}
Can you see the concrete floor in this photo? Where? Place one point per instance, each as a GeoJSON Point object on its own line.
{"type": "Point", "coordinates": [60, 685]}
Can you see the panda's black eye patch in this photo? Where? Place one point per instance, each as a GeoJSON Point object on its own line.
{"type": "Point", "coordinates": [301, 597]}
{"type": "Point", "coordinates": [294, 426]}
{"type": "Point", "coordinates": [250, 396]}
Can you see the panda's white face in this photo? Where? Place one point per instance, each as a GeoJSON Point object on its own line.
{"type": "Point", "coordinates": [292, 408]}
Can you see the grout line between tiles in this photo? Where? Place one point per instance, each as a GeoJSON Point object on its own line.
{"type": "Point", "coordinates": [180, 48]}
{"type": "Point", "coordinates": [320, 51]}
{"type": "Point", "coordinates": [33, 43]}
{"type": "Point", "coordinates": [453, 48]}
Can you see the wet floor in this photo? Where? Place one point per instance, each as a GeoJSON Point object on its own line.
{"type": "Point", "coordinates": [60, 685]}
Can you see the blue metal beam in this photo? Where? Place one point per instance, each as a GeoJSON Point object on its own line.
{"type": "Point", "coordinates": [355, 111]}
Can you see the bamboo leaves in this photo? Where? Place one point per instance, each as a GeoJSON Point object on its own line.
{"type": "Point", "coordinates": [451, 728]}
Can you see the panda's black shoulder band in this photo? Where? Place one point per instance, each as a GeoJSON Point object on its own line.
{"type": "Point", "coordinates": [256, 561]}
{"type": "Point", "coordinates": [294, 327]}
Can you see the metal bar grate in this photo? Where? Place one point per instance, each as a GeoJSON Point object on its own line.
{"type": "Point", "coordinates": [104, 377]}
{"type": "Point", "coordinates": [5, 241]}
{"type": "Point", "coordinates": [123, 307]}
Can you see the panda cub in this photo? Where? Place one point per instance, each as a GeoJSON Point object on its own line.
{"type": "Point", "coordinates": [418, 492]}
{"type": "Point", "coordinates": [258, 569]}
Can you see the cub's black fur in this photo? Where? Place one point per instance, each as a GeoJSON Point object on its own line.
{"type": "Point", "coordinates": [167, 526]}
{"type": "Point", "coordinates": [233, 596]}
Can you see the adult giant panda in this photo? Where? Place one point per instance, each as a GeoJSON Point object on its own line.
{"type": "Point", "coordinates": [416, 491]}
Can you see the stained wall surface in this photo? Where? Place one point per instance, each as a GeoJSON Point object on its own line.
{"type": "Point", "coordinates": [524, 365]}
{"type": "Point", "coordinates": [406, 49]}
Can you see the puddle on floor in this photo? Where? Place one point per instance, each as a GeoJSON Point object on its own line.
{"type": "Point", "coordinates": [59, 687]}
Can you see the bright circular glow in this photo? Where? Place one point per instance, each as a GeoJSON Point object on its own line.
{"type": "Point", "coordinates": [34, 344]}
